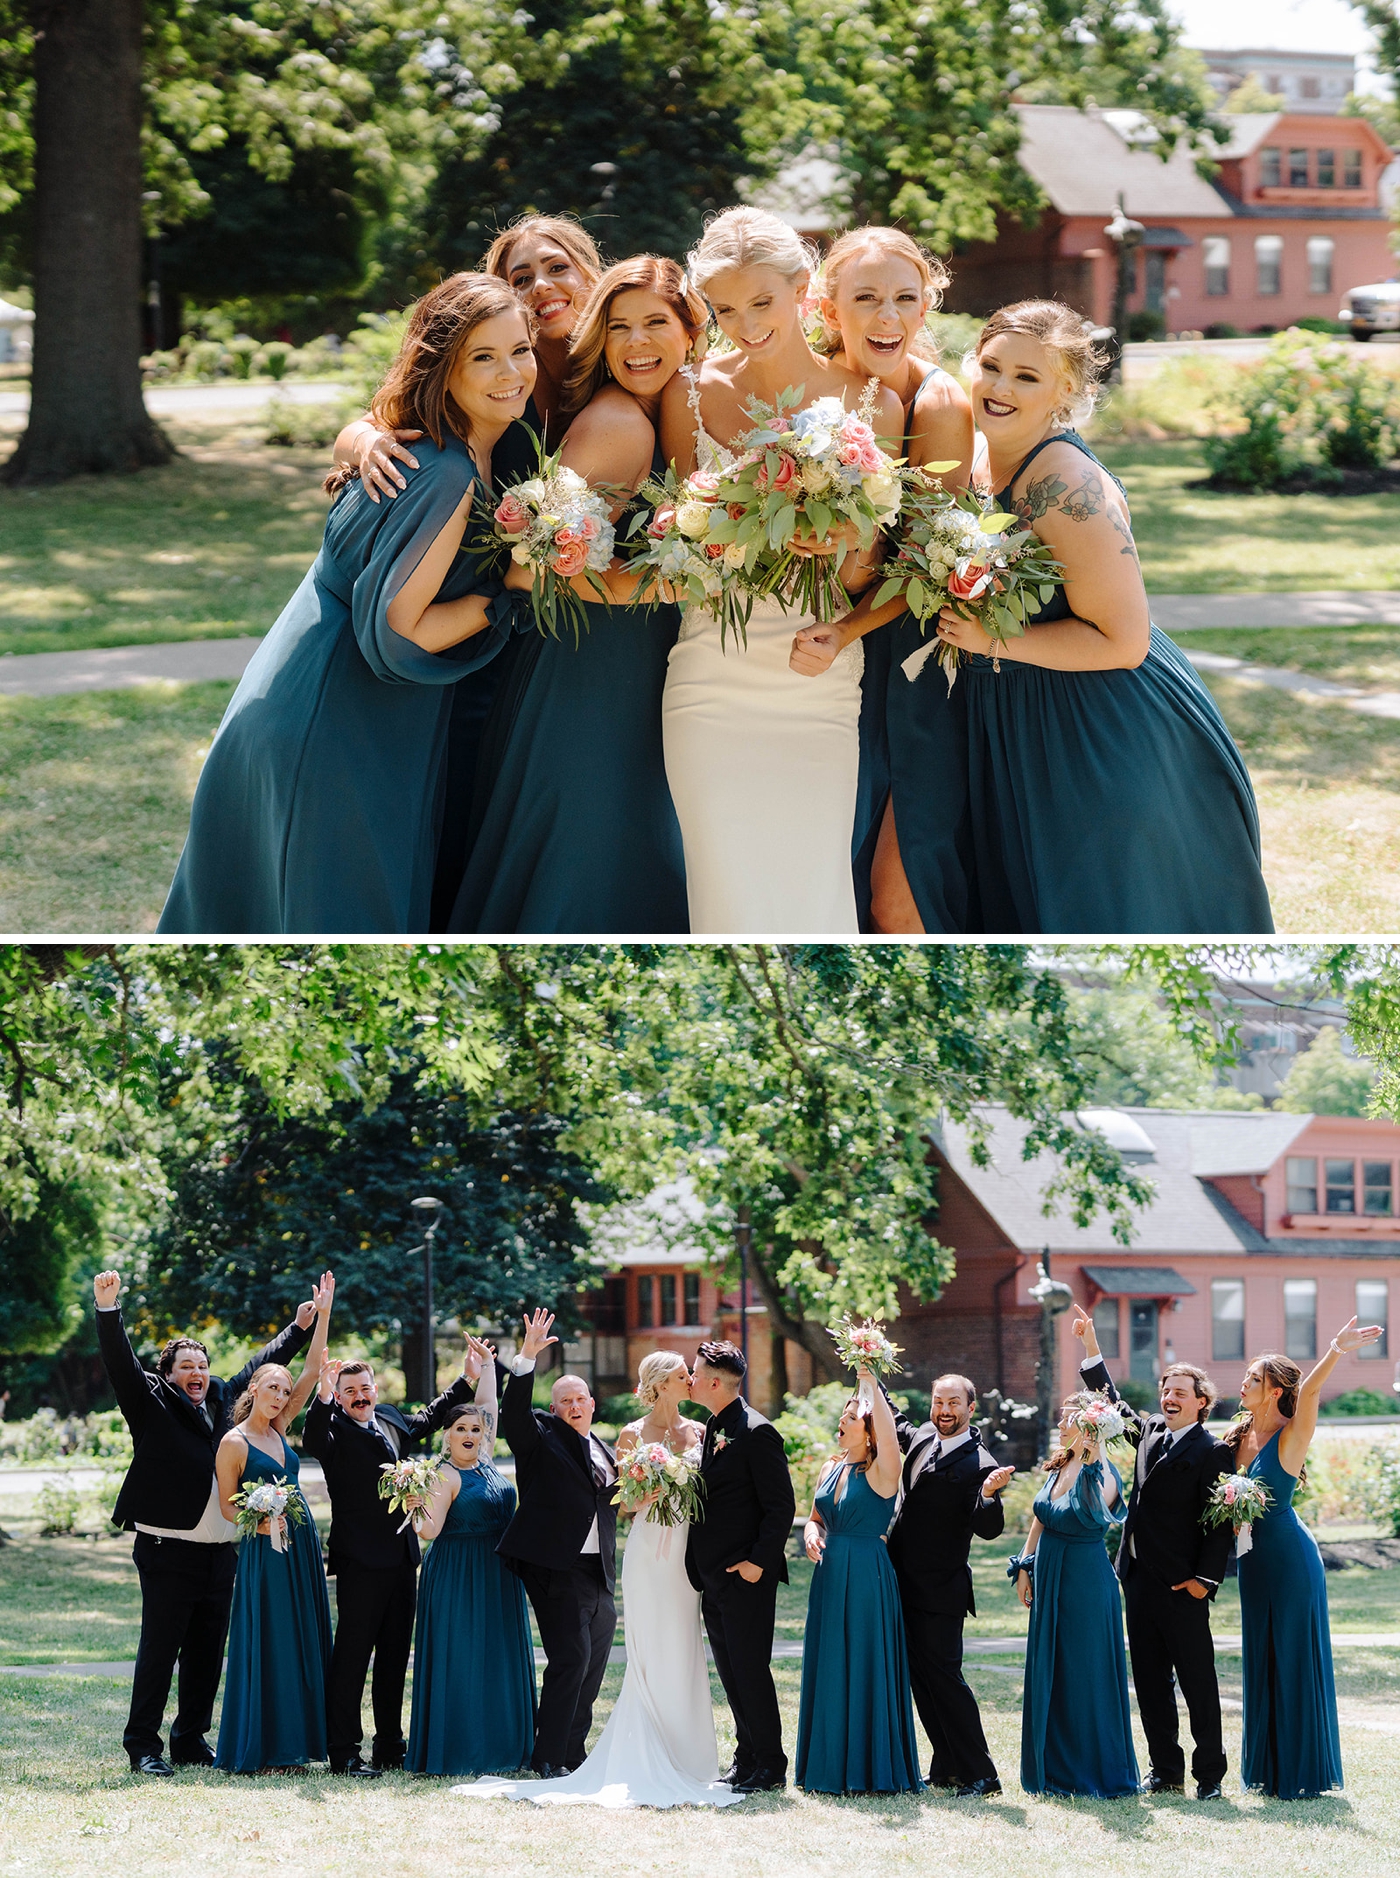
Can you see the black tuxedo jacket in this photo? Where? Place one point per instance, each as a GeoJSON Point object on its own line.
{"type": "Point", "coordinates": [363, 1530]}
{"type": "Point", "coordinates": [937, 1519]}
{"type": "Point", "coordinates": [748, 1501]}
{"type": "Point", "coordinates": [560, 1495]}
{"type": "Point", "coordinates": [172, 1469]}
{"type": "Point", "coordinates": [1163, 1533]}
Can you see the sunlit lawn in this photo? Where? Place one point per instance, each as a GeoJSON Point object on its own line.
{"type": "Point", "coordinates": [67, 1805]}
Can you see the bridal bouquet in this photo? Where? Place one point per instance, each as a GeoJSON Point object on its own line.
{"type": "Point", "coordinates": [800, 474]}
{"type": "Point", "coordinates": [274, 1501]}
{"type": "Point", "coordinates": [559, 527]}
{"type": "Point", "coordinates": [1099, 1417]}
{"type": "Point", "coordinates": [865, 1346]}
{"type": "Point", "coordinates": [405, 1483]}
{"type": "Point", "coordinates": [675, 1479]}
{"type": "Point", "coordinates": [960, 550]}
{"type": "Point", "coordinates": [1237, 1500]}
{"type": "Point", "coordinates": [671, 533]}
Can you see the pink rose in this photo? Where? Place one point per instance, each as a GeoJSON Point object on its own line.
{"type": "Point", "coordinates": [512, 514]}
{"type": "Point", "coordinates": [569, 554]}
{"type": "Point", "coordinates": [588, 526]}
{"type": "Point", "coordinates": [714, 549]}
{"type": "Point", "coordinates": [968, 583]}
{"type": "Point", "coordinates": [736, 511]}
{"type": "Point", "coordinates": [662, 522]}
{"type": "Point", "coordinates": [785, 477]}
{"type": "Point", "coordinates": [703, 485]}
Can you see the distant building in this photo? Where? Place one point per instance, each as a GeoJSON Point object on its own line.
{"type": "Point", "coordinates": [1267, 1232]}
{"type": "Point", "coordinates": [1292, 219]}
{"type": "Point", "coordinates": [1307, 81]}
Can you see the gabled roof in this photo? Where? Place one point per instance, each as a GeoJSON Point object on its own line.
{"type": "Point", "coordinates": [1082, 159]}
{"type": "Point", "coordinates": [1247, 1143]}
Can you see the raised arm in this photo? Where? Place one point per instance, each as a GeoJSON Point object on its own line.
{"type": "Point", "coordinates": [310, 1377]}
{"type": "Point", "coordinates": [123, 1366]}
{"type": "Point", "coordinates": [482, 1358]}
{"type": "Point", "coordinates": [883, 1472]}
{"type": "Point", "coordinates": [518, 1423]}
{"type": "Point", "coordinates": [1296, 1438]}
{"type": "Point", "coordinates": [1095, 1372]}
{"type": "Point", "coordinates": [283, 1347]}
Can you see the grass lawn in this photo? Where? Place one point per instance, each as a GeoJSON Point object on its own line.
{"type": "Point", "coordinates": [1197, 541]}
{"type": "Point", "coordinates": [95, 791]}
{"type": "Point", "coordinates": [67, 1805]}
{"type": "Point", "coordinates": [1352, 655]}
{"type": "Point", "coordinates": [209, 547]}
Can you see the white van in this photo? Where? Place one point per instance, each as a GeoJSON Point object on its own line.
{"type": "Point", "coordinates": [1374, 309]}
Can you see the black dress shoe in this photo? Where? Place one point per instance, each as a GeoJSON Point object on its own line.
{"type": "Point", "coordinates": [549, 1771]}
{"type": "Point", "coordinates": [1154, 1783]}
{"type": "Point", "coordinates": [736, 1773]}
{"type": "Point", "coordinates": [939, 1781]}
{"type": "Point", "coordinates": [356, 1769]}
{"type": "Point", "coordinates": [1209, 1793]}
{"type": "Point", "coordinates": [153, 1764]}
{"type": "Point", "coordinates": [979, 1789]}
{"type": "Point", "coordinates": [197, 1754]}
{"type": "Point", "coordinates": [761, 1780]}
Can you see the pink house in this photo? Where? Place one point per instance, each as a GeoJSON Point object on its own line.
{"type": "Point", "coordinates": [1266, 1231]}
{"type": "Point", "coordinates": [1290, 221]}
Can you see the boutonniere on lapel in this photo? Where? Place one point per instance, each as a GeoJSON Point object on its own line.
{"type": "Point", "coordinates": [721, 1442]}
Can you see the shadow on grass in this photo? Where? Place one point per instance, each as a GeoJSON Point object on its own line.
{"type": "Point", "coordinates": [1311, 745]}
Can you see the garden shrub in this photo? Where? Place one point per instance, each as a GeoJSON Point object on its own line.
{"type": "Point", "coordinates": [56, 1507]}
{"type": "Point", "coordinates": [1146, 325]}
{"type": "Point", "coordinates": [1307, 407]}
{"type": "Point", "coordinates": [1362, 1402]}
{"type": "Point", "coordinates": [1384, 1495]}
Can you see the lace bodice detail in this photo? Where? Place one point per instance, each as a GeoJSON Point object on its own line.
{"type": "Point", "coordinates": [709, 454]}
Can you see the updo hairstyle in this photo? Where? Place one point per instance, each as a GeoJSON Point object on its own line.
{"type": "Point", "coordinates": [887, 241]}
{"type": "Point", "coordinates": [562, 230]}
{"type": "Point", "coordinates": [749, 238]}
{"type": "Point", "coordinates": [1066, 337]}
{"type": "Point", "coordinates": [243, 1407]}
{"type": "Point", "coordinates": [653, 1372]}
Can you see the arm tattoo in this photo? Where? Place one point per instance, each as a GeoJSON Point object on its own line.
{"type": "Point", "coordinates": [1084, 501]}
{"type": "Point", "coordinates": [1129, 545]}
{"type": "Point", "coordinates": [1038, 496]}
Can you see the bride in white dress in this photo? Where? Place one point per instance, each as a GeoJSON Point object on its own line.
{"type": "Point", "coordinates": [658, 1747]}
{"type": "Point", "coordinates": [762, 763]}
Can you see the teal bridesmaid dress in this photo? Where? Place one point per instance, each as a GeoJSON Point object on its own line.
{"type": "Point", "coordinates": [1291, 1748]}
{"type": "Point", "coordinates": [573, 829]}
{"type": "Point", "coordinates": [1038, 801]}
{"type": "Point", "coordinates": [473, 1663]}
{"type": "Point", "coordinates": [1076, 1725]}
{"type": "Point", "coordinates": [279, 1643]}
{"type": "Point", "coordinates": [855, 1724]}
{"type": "Point", "coordinates": [320, 804]}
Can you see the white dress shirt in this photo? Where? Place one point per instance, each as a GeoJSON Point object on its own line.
{"type": "Point", "coordinates": [935, 1450]}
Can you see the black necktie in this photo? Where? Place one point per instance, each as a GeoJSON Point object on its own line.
{"type": "Point", "coordinates": [599, 1472]}
{"type": "Point", "coordinates": [1162, 1451]}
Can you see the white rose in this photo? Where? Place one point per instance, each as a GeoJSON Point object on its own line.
{"type": "Point", "coordinates": [693, 519]}
{"type": "Point", "coordinates": [883, 492]}
{"type": "Point", "coordinates": [734, 554]}
{"type": "Point", "coordinates": [569, 479]}
{"type": "Point", "coordinates": [815, 479]}
{"type": "Point", "coordinates": [532, 492]}
{"type": "Point", "coordinates": [520, 554]}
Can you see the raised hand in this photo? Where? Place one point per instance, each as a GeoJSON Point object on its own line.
{"type": "Point", "coordinates": [996, 1481]}
{"type": "Point", "coordinates": [537, 1337]}
{"type": "Point", "coordinates": [1083, 1327]}
{"type": "Point", "coordinates": [478, 1355]}
{"type": "Point", "coordinates": [1349, 1337]}
{"type": "Point", "coordinates": [329, 1375]}
{"type": "Point", "coordinates": [105, 1287]}
{"type": "Point", "coordinates": [324, 1294]}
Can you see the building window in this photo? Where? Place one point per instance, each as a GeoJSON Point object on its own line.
{"type": "Point", "coordinates": [1351, 170]}
{"type": "Point", "coordinates": [1376, 1177]}
{"type": "Point", "coordinates": [1216, 249]}
{"type": "Point", "coordinates": [668, 1298]}
{"type": "Point", "coordinates": [690, 1285]}
{"type": "Point", "coordinates": [1106, 1326]}
{"type": "Point", "coordinates": [1320, 251]}
{"type": "Point", "coordinates": [1341, 1186]}
{"type": "Point", "coordinates": [1268, 264]}
{"type": "Point", "coordinates": [1300, 1317]}
{"type": "Point", "coordinates": [606, 1310]}
{"type": "Point", "coordinates": [1227, 1319]}
{"type": "Point", "coordinates": [1302, 1185]}
{"type": "Point", "coordinates": [1270, 167]}
{"type": "Point", "coordinates": [1309, 87]}
{"type": "Point", "coordinates": [1297, 169]}
{"type": "Point", "coordinates": [1142, 1339]}
{"type": "Point", "coordinates": [1371, 1308]}
{"type": "Point", "coordinates": [646, 1301]}
{"type": "Point", "coordinates": [1326, 169]}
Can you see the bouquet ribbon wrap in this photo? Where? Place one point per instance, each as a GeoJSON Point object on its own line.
{"type": "Point", "coordinates": [277, 1531]}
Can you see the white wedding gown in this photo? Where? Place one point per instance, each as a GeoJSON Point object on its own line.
{"type": "Point", "coordinates": [658, 1747]}
{"type": "Point", "coordinates": [762, 765]}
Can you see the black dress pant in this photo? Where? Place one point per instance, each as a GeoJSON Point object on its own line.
{"type": "Point", "coordinates": [1169, 1635]}
{"type": "Point", "coordinates": [186, 1596]}
{"type": "Point", "coordinates": [577, 1618]}
{"type": "Point", "coordinates": [374, 1609]}
{"type": "Point", "coordinates": [947, 1707]}
{"type": "Point", "coordinates": [739, 1621]}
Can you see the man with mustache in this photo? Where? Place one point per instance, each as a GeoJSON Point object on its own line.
{"type": "Point", "coordinates": [355, 1437]}
{"type": "Point", "coordinates": [184, 1546]}
{"type": "Point", "coordinates": [950, 1493]}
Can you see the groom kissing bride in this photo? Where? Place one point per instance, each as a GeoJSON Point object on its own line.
{"type": "Point", "coordinates": [658, 1747]}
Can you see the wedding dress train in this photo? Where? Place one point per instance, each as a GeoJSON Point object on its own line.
{"type": "Point", "coordinates": [658, 1747]}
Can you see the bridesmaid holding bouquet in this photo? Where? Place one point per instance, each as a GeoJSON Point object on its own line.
{"type": "Point", "coordinates": [1291, 1747]}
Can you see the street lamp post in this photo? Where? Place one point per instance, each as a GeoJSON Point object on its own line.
{"type": "Point", "coordinates": [1053, 1296]}
{"type": "Point", "coordinates": [1127, 236]}
{"type": "Point", "coordinates": [742, 1233]}
{"type": "Point", "coordinates": [433, 1208]}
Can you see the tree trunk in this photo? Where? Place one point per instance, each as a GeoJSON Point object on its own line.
{"type": "Point", "coordinates": [86, 411]}
{"type": "Point", "coordinates": [810, 1337]}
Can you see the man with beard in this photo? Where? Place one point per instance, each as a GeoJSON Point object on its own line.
{"type": "Point", "coordinates": [950, 1494]}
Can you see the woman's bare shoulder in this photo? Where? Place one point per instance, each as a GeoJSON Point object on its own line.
{"type": "Point", "coordinates": [940, 391]}
{"type": "Point", "coordinates": [614, 414]}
